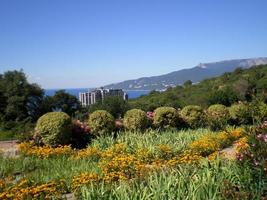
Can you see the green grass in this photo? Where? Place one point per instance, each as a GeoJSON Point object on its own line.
{"type": "Point", "coordinates": [217, 180]}
{"type": "Point", "coordinates": [7, 135]}
{"type": "Point", "coordinates": [184, 182]}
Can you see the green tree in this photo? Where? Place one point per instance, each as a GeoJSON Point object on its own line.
{"type": "Point", "coordinates": [188, 83]}
{"type": "Point", "coordinates": [225, 97]}
{"type": "Point", "coordinates": [64, 102]}
{"type": "Point", "coordinates": [18, 98]}
{"type": "Point", "coordinates": [114, 105]}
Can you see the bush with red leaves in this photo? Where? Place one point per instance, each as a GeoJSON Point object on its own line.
{"type": "Point", "coordinates": [81, 134]}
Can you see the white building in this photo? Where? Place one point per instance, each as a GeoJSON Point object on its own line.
{"type": "Point", "coordinates": [91, 97]}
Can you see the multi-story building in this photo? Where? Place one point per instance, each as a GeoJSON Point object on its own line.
{"type": "Point", "coordinates": [91, 97]}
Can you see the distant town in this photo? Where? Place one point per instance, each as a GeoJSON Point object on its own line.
{"type": "Point", "coordinates": [91, 97]}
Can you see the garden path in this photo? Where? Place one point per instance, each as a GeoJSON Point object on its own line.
{"type": "Point", "coordinates": [9, 148]}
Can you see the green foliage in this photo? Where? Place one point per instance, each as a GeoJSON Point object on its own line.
{"type": "Point", "coordinates": [101, 122]}
{"type": "Point", "coordinates": [262, 111]}
{"type": "Point", "coordinates": [217, 116]}
{"type": "Point", "coordinates": [65, 102]}
{"type": "Point", "coordinates": [135, 119]}
{"type": "Point", "coordinates": [166, 117]}
{"type": "Point", "coordinates": [114, 105]}
{"type": "Point", "coordinates": [240, 114]}
{"type": "Point", "coordinates": [18, 98]}
{"type": "Point", "coordinates": [7, 135]}
{"type": "Point", "coordinates": [223, 96]}
{"type": "Point", "coordinates": [258, 111]}
{"type": "Point", "coordinates": [188, 83]}
{"type": "Point", "coordinates": [218, 179]}
{"type": "Point", "coordinates": [193, 116]}
{"type": "Point", "coordinates": [54, 128]}
{"type": "Point", "coordinates": [61, 101]}
{"type": "Point", "coordinates": [227, 89]}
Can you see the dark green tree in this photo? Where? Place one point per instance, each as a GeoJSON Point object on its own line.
{"type": "Point", "coordinates": [188, 83]}
{"type": "Point", "coordinates": [63, 101]}
{"type": "Point", "coordinates": [114, 105]}
{"type": "Point", "coordinates": [225, 97]}
{"type": "Point", "coordinates": [18, 98]}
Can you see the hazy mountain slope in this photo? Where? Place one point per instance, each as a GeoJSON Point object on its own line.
{"type": "Point", "coordinates": [229, 88]}
{"type": "Point", "coordinates": [195, 74]}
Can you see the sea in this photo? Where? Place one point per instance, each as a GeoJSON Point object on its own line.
{"type": "Point", "coordinates": [132, 94]}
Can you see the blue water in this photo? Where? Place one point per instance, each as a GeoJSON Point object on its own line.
{"type": "Point", "coordinates": [131, 93]}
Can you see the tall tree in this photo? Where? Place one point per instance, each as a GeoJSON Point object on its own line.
{"type": "Point", "coordinates": [65, 102]}
{"type": "Point", "coordinates": [18, 98]}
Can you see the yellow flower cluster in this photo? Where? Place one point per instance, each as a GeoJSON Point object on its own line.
{"type": "Point", "coordinates": [189, 157]}
{"type": "Point", "coordinates": [214, 142]}
{"type": "Point", "coordinates": [121, 163]}
{"type": "Point", "coordinates": [28, 190]}
{"type": "Point", "coordinates": [213, 156]}
{"type": "Point", "coordinates": [144, 155]}
{"type": "Point", "coordinates": [205, 145]}
{"type": "Point", "coordinates": [237, 133]}
{"type": "Point", "coordinates": [90, 152]}
{"type": "Point", "coordinates": [241, 144]}
{"type": "Point", "coordinates": [28, 149]}
{"type": "Point", "coordinates": [165, 151]}
{"type": "Point", "coordinates": [2, 184]}
{"type": "Point", "coordinates": [84, 178]}
{"type": "Point", "coordinates": [117, 164]}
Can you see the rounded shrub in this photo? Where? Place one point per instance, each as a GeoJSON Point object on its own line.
{"type": "Point", "coordinates": [54, 128]}
{"type": "Point", "coordinates": [166, 117]}
{"type": "Point", "coordinates": [135, 119]}
{"type": "Point", "coordinates": [258, 111]}
{"type": "Point", "coordinates": [193, 116]}
{"type": "Point", "coordinates": [217, 116]}
{"type": "Point", "coordinates": [240, 114]}
{"type": "Point", "coordinates": [101, 122]}
{"type": "Point", "coordinates": [263, 111]}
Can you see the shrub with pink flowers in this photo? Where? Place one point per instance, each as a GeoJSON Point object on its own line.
{"type": "Point", "coordinates": [80, 134]}
{"type": "Point", "coordinates": [118, 124]}
{"type": "Point", "coordinates": [255, 156]}
{"type": "Point", "coordinates": [150, 118]}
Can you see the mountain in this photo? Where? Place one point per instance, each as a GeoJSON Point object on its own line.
{"type": "Point", "coordinates": [240, 85]}
{"type": "Point", "coordinates": [195, 74]}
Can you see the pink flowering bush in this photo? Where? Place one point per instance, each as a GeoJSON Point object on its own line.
{"type": "Point", "coordinates": [118, 124]}
{"type": "Point", "coordinates": [80, 134]}
{"type": "Point", "coordinates": [150, 118]}
{"type": "Point", "coordinates": [256, 155]}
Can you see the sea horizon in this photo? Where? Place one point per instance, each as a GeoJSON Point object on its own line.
{"type": "Point", "coordinates": [132, 94]}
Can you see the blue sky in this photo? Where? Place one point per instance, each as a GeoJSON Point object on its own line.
{"type": "Point", "coordinates": [86, 43]}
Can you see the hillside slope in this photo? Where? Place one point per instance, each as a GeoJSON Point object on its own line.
{"type": "Point", "coordinates": [195, 74]}
{"type": "Point", "coordinates": [240, 85]}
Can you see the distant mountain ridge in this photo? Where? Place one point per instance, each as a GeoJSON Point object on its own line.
{"type": "Point", "coordinates": [195, 74]}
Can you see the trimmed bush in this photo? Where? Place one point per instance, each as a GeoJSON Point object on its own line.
{"type": "Point", "coordinates": [135, 119]}
{"type": "Point", "coordinates": [54, 128]}
{"type": "Point", "coordinates": [166, 117]}
{"type": "Point", "coordinates": [217, 116]}
{"type": "Point", "coordinates": [240, 114]}
{"type": "Point", "coordinates": [101, 122]}
{"type": "Point", "coordinates": [193, 116]}
{"type": "Point", "coordinates": [258, 111]}
{"type": "Point", "coordinates": [263, 111]}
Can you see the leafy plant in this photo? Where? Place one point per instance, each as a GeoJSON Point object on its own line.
{"type": "Point", "coordinates": [54, 128]}
{"type": "Point", "coordinates": [217, 116]}
{"type": "Point", "coordinates": [166, 117]}
{"type": "Point", "coordinates": [101, 122]}
{"type": "Point", "coordinates": [135, 119]}
{"type": "Point", "coordinates": [194, 116]}
{"type": "Point", "coordinates": [240, 114]}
